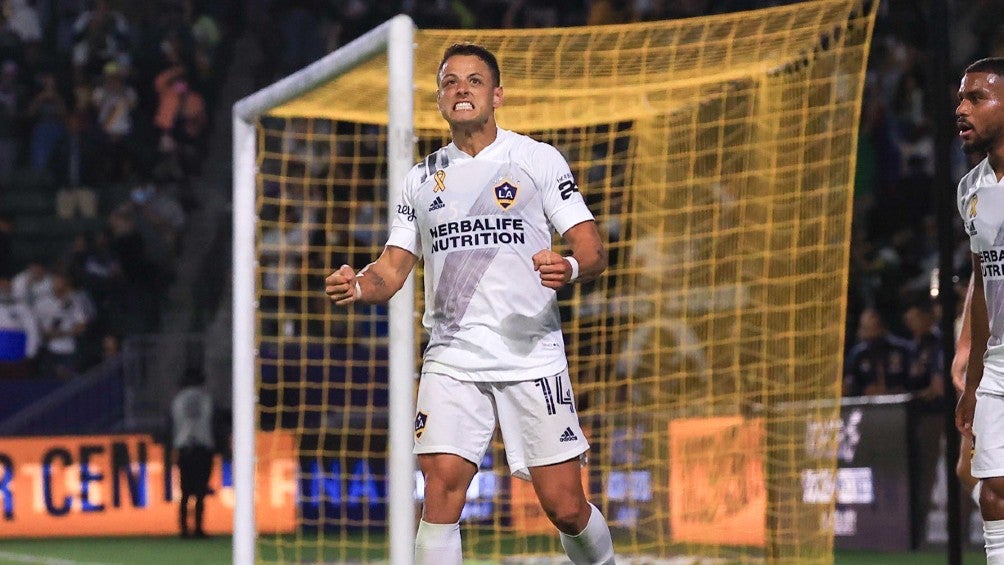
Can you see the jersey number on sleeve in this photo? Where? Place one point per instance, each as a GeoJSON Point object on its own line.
{"type": "Point", "coordinates": [567, 188]}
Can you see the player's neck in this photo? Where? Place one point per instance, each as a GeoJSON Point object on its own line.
{"type": "Point", "coordinates": [473, 140]}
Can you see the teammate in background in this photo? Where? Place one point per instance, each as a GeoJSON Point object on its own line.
{"type": "Point", "coordinates": [479, 212]}
{"type": "Point", "coordinates": [980, 411]}
{"type": "Point", "coordinates": [192, 435]}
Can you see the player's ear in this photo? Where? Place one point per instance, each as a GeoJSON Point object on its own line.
{"type": "Point", "coordinates": [497, 97]}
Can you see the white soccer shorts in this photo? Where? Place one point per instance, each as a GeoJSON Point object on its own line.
{"type": "Point", "coordinates": [537, 418]}
{"type": "Point", "coordinates": [988, 427]}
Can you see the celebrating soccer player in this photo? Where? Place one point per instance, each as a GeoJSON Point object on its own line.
{"type": "Point", "coordinates": [479, 212]}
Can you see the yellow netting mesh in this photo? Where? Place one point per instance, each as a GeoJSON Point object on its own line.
{"type": "Point", "coordinates": [717, 155]}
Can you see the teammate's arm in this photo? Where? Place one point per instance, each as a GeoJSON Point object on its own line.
{"type": "Point", "coordinates": [376, 283]}
{"type": "Point", "coordinates": [962, 343]}
{"type": "Point", "coordinates": [979, 327]}
{"type": "Point", "coordinates": [588, 254]}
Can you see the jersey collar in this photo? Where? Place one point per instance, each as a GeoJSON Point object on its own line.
{"type": "Point", "coordinates": [455, 153]}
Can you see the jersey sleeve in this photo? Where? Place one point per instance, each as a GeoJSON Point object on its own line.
{"type": "Point", "coordinates": [403, 227]}
{"type": "Point", "coordinates": [563, 204]}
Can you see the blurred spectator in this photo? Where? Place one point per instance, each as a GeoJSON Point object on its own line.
{"type": "Point", "coordinates": [144, 281]}
{"type": "Point", "coordinates": [97, 269]}
{"type": "Point", "coordinates": [879, 362]}
{"type": "Point", "coordinates": [926, 377]}
{"type": "Point", "coordinates": [114, 101]}
{"type": "Point", "coordinates": [33, 283]}
{"type": "Point", "coordinates": [82, 155]}
{"type": "Point", "coordinates": [23, 20]}
{"type": "Point", "coordinates": [111, 346]}
{"type": "Point", "coordinates": [11, 46]}
{"type": "Point", "coordinates": [207, 36]}
{"type": "Point", "coordinates": [47, 110]}
{"type": "Point", "coordinates": [161, 213]}
{"type": "Point", "coordinates": [11, 109]}
{"type": "Point", "coordinates": [19, 335]}
{"type": "Point", "coordinates": [606, 12]}
{"type": "Point", "coordinates": [181, 120]}
{"type": "Point", "coordinates": [926, 380]}
{"type": "Point", "coordinates": [65, 14]}
{"type": "Point", "coordinates": [100, 35]}
{"type": "Point", "coordinates": [63, 318]}
{"type": "Point", "coordinates": [6, 235]}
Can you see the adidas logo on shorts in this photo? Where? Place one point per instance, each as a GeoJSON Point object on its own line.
{"type": "Point", "coordinates": [437, 204]}
{"type": "Point", "coordinates": [568, 435]}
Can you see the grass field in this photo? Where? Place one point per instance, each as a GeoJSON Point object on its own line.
{"type": "Point", "coordinates": [216, 551]}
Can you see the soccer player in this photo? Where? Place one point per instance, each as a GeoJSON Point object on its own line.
{"type": "Point", "coordinates": [479, 212]}
{"type": "Point", "coordinates": [980, 411]}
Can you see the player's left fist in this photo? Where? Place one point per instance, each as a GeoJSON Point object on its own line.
{"type": "Point", "coordinates": [554, 270]}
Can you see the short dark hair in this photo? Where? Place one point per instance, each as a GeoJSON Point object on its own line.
{"type": "Point", "coordinates": [476, 50]}
{"type": "Point", "coordinates": [993, 65]}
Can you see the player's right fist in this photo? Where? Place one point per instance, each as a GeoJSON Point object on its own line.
{"type": "Point", "coordinates": [341, 286]}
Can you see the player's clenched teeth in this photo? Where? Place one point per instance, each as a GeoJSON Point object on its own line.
{"type": "Point", "coordinates": [463, 106]}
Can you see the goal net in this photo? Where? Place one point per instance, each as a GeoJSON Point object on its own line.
{"type": "Point", "coordinates": [717, 155]}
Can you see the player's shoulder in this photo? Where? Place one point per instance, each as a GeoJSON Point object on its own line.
{"type": "Point", "coordinates": [973, 177]}
{"type": "Point", "coordinates": [428, 166]}
{"type": "Point", "coordinates": [530, 151]}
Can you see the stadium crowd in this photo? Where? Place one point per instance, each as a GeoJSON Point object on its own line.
{"type": "Point", "coordinates": [105, 109]}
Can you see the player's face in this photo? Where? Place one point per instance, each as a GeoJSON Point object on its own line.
{"type": "Point", "coordinates": [467, 92]}
{"type": "Point", "coordinates": [980, 113]}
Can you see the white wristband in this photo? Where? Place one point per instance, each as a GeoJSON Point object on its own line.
{"type": "Point", "coordinates": [359, 289]}
{"type": "Point", "coordinates": [575, 268]}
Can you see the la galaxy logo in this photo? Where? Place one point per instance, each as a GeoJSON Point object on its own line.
{"type": "Point", "coordinates": [971, 224]}
{"type": "Point", "coordinates": [505, 194]}
{"type": "Point", "coordinates": [420, 420]}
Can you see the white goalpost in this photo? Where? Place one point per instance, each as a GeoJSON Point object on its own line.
{"type": "Point", "coordinates": [396, 38]}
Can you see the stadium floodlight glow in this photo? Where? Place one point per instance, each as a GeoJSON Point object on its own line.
{"type": "Point", "coordinates": [396, 38]}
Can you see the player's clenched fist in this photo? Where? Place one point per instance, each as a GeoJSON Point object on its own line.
{"type": "Point", "coordinates": [554, 270]}
{"type": "Point", "coordinates": [341, 286]}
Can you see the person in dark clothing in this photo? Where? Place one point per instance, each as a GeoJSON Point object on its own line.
{"type": "Point", "coordinates": [192, 432]}
{"type": "Point", "coordinates": [879, 362]}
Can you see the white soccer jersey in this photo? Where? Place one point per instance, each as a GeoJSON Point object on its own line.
{"type": "Point", "coordinates": [981, 203]}
{"type": "Point", "coordinates": [476, 222]}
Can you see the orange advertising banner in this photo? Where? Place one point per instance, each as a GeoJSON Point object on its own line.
{"type": "Point", "coordinates": [125, 485]}
{"type": "Point", "coordinates": [717, 493]}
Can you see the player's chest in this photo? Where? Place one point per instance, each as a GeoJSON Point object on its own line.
{"type": "Point", "coordinates": [983, 215]}
{"type": "Point", "coordinates": [475, 188]}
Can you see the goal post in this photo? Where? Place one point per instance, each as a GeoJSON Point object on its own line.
{"type": "Point", "coordinates": [717, 155]}
{"type": "Point", "coordinates": [395, 38]}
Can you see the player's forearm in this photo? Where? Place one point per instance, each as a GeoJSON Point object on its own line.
{"type": "Point", "coordinates": [375, 286]}
{"type": "Point", "coordinates": [587, 249]}
{"type": "Point", "coordinates": [963, 343]}
{"type": "Point", "coordinates": [381, 279]}
{"type": "Point", "coordinates": [592, 262]}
